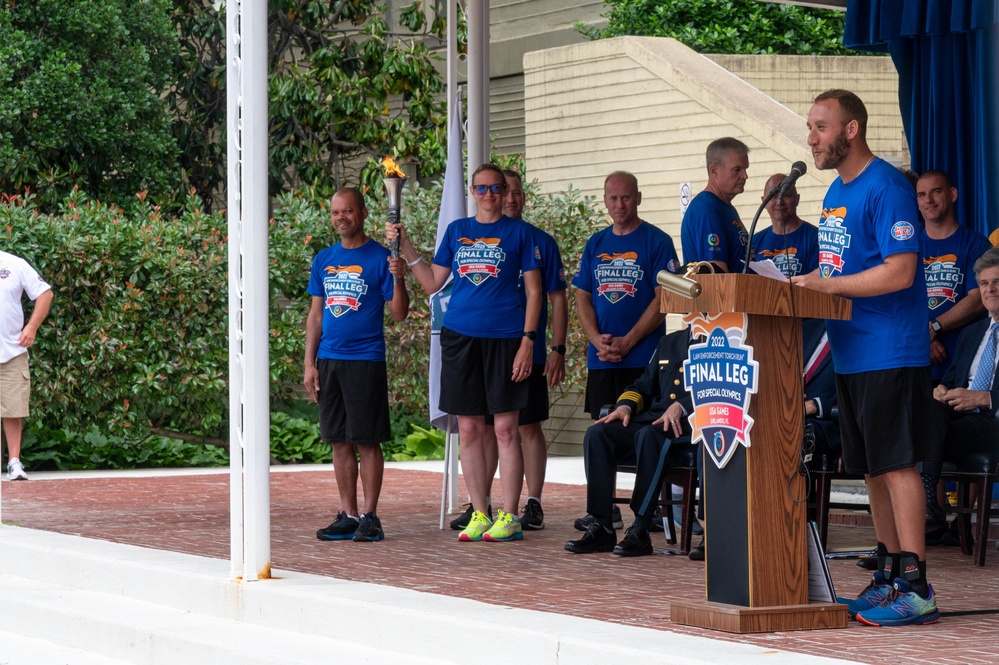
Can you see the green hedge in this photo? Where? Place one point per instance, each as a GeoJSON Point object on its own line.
{"type": "Point", "coordinates": [136, 343]}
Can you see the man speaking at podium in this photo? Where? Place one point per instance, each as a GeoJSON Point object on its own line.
{"type": "Point", "coordinates": [869, 252]}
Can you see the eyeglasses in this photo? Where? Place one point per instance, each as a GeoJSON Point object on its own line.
{"type": "Point", "coordinates": [495, 189]}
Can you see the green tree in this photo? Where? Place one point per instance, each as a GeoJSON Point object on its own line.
{"type": "Point", "coordinates": [348, 85]}
{"type": "Point", "coordinates": [727, 26]}
{"type": "Point", "coordinates": [80, 106]}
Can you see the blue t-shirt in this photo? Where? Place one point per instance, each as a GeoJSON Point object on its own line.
{"type": "Point", "coordinates": [354, 284]}
{"type": "Point", "coordinates": [619, 273]}
{"type": "Point", "coordinates": [795, 253]}
{"type": "Point", "coordinates": [486, 261]}
{"type": "Point", "coordinates": [552, 279]}
{"type": "Point", "coordinates": [863, 222]}
{"type": "Point", "coordinates": [948, 267]}
{"type": "Point", "coordinates": [712, 231]}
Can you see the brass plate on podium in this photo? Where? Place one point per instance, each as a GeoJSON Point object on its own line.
{"type": "Point", "coordinates": [739, 619]}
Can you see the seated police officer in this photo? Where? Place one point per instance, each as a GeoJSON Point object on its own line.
{"type": "Point", "coordinates": [649, 415]}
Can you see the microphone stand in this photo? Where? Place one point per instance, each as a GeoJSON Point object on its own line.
{"type": "Point", "coordinates": [752, 229]}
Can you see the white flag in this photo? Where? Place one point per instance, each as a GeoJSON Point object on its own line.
{"type": "Point", "coordinates": [452, 208]}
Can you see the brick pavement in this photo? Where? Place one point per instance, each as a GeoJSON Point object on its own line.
{"type": "Point", "coordinates": [190, 514]}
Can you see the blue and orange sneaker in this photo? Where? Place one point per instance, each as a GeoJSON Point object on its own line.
{"type": "Point", "coordinates": [903, 607]}
{"type": "Point", "coordinates": [478, 524]}
{"type": "Point", "coordinates": [872, 596]}
{"type": "Point", "coordinates": [506, 528]}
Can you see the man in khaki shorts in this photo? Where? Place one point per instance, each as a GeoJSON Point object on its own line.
{"type": "Point", "coordinates": [17, 278]}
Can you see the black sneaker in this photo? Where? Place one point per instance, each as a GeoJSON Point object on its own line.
{"type": "Point", "coordinates": [342, 528]}
{"type": "Point", "coordinates": [657, 520]}
{"type": "Point", "coordinates": [637, 542]}
{"type": "Point", "coordinates": [697, 552]}
{"type": "Point", "coordinates": [596, 539]}
{"type": "Point", "coordinates": [583, 523]}
{"type": "Point", "coordinates": [369, 529]}
{"type": "Point", "coordinates": [460, 523]}
{"type": "Point", "coordinates": [532, 517]}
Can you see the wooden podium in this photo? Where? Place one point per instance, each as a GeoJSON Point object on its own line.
{"type": "Point", "coordinates": [756, 564]}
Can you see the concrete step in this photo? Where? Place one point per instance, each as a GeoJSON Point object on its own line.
{"type": "Point", "coordinates": [107, 627]}
{"type": "Point", "coordinates": [20, 650]}
{"type": "Point", "coordinates": [150, 606]}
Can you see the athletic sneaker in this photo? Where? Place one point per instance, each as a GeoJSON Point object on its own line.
{"type": "Point", "coordinates": [872, 596]}
{"type": "Point", "coordinates": [583, 523]}
{"type": "Point", "coordinates": [532, 517]}
{"type": "Point", "coordinates": [342, 528]}
{"type": "Point", "coordinates": [902, 607]}
{"type": "Point", "coordinates": [369, 529]}
{"type": "Point", "coordinates": [15, 470]}
{"type": "Point", "coordinates": [461, 521]}
{"type": "Point", "coordinates": [504, 529]}
{"type": "Point", "coordinates": [477, 526]}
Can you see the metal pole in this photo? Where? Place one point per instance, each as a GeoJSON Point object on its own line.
{"type": "Point", "coordinates": [233, 158]}
{"type": "Point", "coordinates": [249, 355]}
{"type": "Point", "coordinates": [478, 89]}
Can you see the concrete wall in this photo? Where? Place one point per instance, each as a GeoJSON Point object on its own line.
{"type": "Point", "coordinates": [795, 80]}
{"type": "Point", "coordinates": [518, 27]}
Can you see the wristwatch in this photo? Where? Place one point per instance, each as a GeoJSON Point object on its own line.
{"type": "Point", "coordinates": [559, 349]}
{"type": "Point", "coordinates": [935, 326]}
{"type": "Point", "coordinates": [531, 335]}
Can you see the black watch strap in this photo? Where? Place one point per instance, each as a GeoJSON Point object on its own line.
{"type": "Point", "coordinates": [559, 349]}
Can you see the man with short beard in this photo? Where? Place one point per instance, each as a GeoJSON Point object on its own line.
{"type": "Point", "coordinates": [869, 252]}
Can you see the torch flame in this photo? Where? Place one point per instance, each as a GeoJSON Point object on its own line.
{"type": "Point", "coordinates": [392, 169]}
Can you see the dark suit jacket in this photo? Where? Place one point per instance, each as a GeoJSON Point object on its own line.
{"type": "Point", "coordinates": [661, 383]}
{"type": "Point", "coordinates": [960, 368]}
{"type": "Point", "coordinates": [823, 384]}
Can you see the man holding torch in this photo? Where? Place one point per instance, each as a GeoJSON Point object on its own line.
{"type": "Point", "coordinates": [345, 368]}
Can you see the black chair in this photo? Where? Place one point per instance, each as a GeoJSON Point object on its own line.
{"type": "Point", "coordinates": [824, 468]}
{"type": "Point", "coordinates": [978, 470]}
{"type": "Point", "coordinates": [682, 471]}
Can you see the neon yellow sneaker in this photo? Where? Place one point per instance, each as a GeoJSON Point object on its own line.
{"type": "Point", "coordinates": [477, 525]}
{"type": "Point", "coordinates": [506, 528]}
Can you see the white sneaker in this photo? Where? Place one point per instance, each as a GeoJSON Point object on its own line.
{"type": "Point", "coordinates": [15, 470]}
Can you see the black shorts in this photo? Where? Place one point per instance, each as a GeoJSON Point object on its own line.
{"type": "Point", "coordinates": [885, 417]}
{"type": "Point", "coordinates": [353, 401]}
{"type": "Point", "coordinates": [604, 386]}
{"type": "Point", "coordinates": [536, 410]}
{"type": "Point", "coordinates": [475, 375]}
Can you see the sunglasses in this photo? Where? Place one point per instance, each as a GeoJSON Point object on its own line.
{"type": "Point", "coordinates": [495, 189]}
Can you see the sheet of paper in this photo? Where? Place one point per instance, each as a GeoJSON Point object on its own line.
{"type": "Point", "coordinates": [767, 268]}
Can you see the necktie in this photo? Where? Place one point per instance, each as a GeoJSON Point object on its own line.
{"type": "Point", "coordinates": [986, 366]}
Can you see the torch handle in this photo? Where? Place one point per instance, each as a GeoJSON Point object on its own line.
{"type": "Point", "coordinates": [393, 218]}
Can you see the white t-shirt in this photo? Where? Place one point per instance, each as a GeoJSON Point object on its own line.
{"type": "Point", "coordinates": [16, 277]}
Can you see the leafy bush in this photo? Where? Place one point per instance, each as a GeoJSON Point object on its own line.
{"type": "Point", "coordinates": [80, 105]}
{"type": "Point", "coordinates": [727, 26]}
{"type": "Point", "coordinates": [136, 343]}
{"type": "Point", "coordinates": [47, 448]}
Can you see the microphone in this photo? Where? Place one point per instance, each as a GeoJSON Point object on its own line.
{"type": "Point", "coordinates": [797, 170]}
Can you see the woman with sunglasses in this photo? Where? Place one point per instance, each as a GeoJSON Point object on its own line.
{"type": "Point", "coordinates": [486, 341]}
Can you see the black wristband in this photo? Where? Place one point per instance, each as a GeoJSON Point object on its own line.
{"type": "Point", "coordinates": [559, 349]}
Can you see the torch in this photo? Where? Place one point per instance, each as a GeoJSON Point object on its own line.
{"type": "Point", "coordinates": [393, 181]}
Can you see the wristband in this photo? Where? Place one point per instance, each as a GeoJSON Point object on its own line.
{"type": "Point", "coordinates": [559, 349]}
{"type": "Point", "coordinates": [414, 261]}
